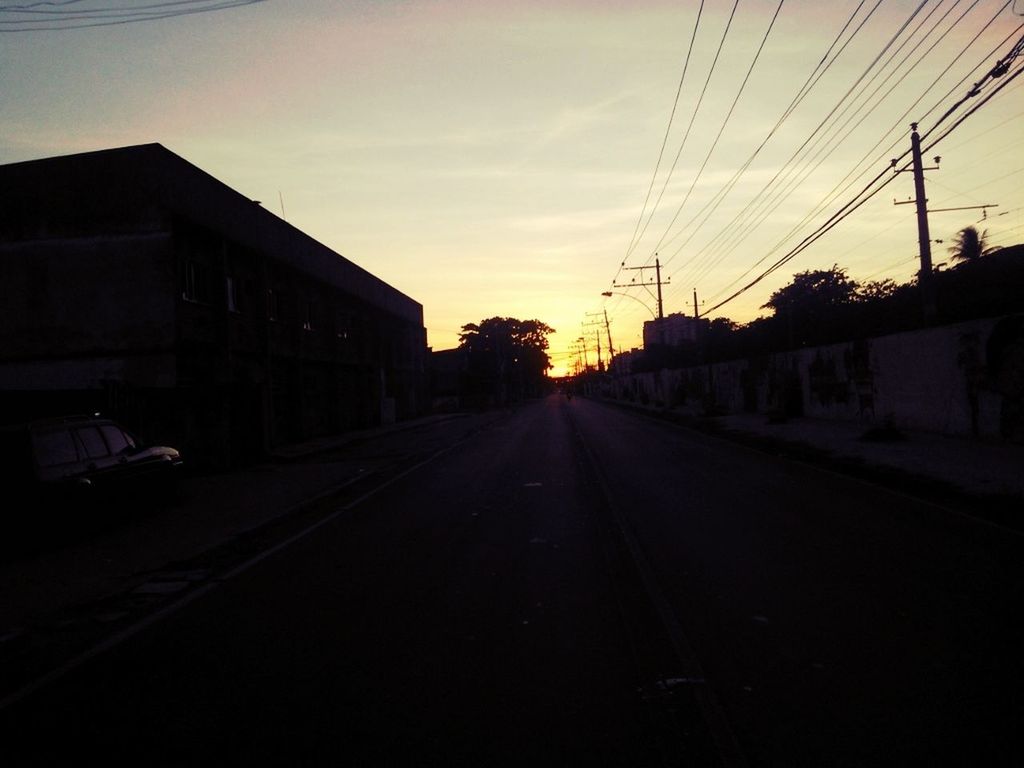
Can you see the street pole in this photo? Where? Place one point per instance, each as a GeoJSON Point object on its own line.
{"type": "Point", "coordinates": [657, 279]}
{"type": "Point", "coordinates": [597, 332]}
{"type": "Point", "coordinates": [927, 286]}
{"type": "Point", "coordinates": [608, 330]}
{"type": "Point", "coordinates": [924, 276]}
{"type": "Point", "coordinates": [658, 282]}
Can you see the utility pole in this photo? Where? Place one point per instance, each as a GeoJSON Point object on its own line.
{"type": "Point", "coordinates": [658, 282]}
{"type": "Point", "coordinates": [583, 343]}
{"type": "Point", "coordinates": [597, 334]}
{"type": "Point", "coordinates": [924, 277]}
{"type": "Point", "coordinates": [608, 330]}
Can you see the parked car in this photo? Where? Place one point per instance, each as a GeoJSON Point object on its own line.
{"type": "Point", "coordinates": [85, 457]}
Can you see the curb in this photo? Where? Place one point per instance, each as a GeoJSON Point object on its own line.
{"type": "Point", "coordinates": [999, 509]}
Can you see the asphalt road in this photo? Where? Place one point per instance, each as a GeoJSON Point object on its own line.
{"type": "Point", "coordinates": [573, 585]}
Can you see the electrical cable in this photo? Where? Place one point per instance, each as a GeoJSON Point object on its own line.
{"type": "Point", "coordinates": [696, 111]}
{"type": "Point", "coordinates": [706, 255]}
{"type": "Point", "coordinates": [853, 205]}
{"type": "Point", "coordinates": [64, 19]}
{"type": "Point", "coordinates": [838, 190]}
{"type": "Point", "coordinates": [664, 142]}
{"type": "Point", "coordinates": [834, 194]}
{"type": "Point", "coordinates": [722, 128]}
{"type": "Point", "coordinates": [765, 202]}
{"type": "Point", "coordinates": [808, 85]}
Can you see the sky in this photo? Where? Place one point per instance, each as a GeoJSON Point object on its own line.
{"type": "Point", "coordinates": [508, 159]}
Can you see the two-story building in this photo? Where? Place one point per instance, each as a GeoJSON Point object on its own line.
{"type": "Point", "coordinates": [138, 285]}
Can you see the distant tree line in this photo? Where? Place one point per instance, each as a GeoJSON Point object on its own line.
{"type": "Point", "coordinates": [826, 306]}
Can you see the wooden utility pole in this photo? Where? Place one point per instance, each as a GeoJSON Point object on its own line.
{"type": "Point", "coordinates": [658, 282]}
{"type": "Point", "coordinates": [597, 335]}
{"type": "Point", "coordinates": [608, 330]}
{"type": "Point", "coordinates": [924, 276]}
{"type": "Point", "coordinates": [583, 344]}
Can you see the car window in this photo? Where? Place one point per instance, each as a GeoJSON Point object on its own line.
{"type": "Point", "coordinates": [53, 448]}
{"type": "Point", "coordinates": [117, 439]}
{"type": "Point", "coordinates": [92, 441]}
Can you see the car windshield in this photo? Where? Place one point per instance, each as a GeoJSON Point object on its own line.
{"type": "Point", "coordinates": [92, 441]}
{"type": "Point", "coordinates": [53, 448]}
{"type": "Point", "coordinates": [117, 439]}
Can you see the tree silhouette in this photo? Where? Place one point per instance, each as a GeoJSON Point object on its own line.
{"type": "Point", "coordinates": [877, 290]}
{"type": "Point", "coordinates": [969, 245]}
{"type": "Point", "coordinates": [813, 290]}
{"type": "Point", "coordinates": [508, 357]}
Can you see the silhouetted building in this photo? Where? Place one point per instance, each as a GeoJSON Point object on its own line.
{"type": "Point", "coordinates": [138, 285]}
{"type": "Point", "coordinates": [672, 330]}
{"type": "Point", "coordinates": [624, 361]}
{"type": "Point", "coordinates": [448, 370]}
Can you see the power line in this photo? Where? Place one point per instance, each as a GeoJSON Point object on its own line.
{"type": "Point", "coordinates": [820, 69]}
{"type": "Point", "coordinates": [822, 154]}
{"type": "Point", "coordinates": [657, 166]}
{"type": "Point", "coordinates": [868, 193]}
{"type": "Point", "coordinates": [774, 193]}
{"type": "Point", "coordinates": [30, 19]}
{"type": "Point", "coordinates": [696, 111]}
{"type": "Point", "coordinates": [809, 84]}
{"type": "Point", "coordinates": [754, 213]}
{"type": "Point", "coordinates": [721, 129]}
{"type": "Point", "coordinates": [836, 191]}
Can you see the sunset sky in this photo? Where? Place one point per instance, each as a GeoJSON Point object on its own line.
{"type": "Point", "coordinates": [494, 158]}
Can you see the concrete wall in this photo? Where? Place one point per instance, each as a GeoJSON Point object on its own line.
{"type": "Point", "coordinates": [964, 379]}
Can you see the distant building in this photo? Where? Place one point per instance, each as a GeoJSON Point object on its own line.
{"type": "Point", "coordinates": [448, 370]}
{"type": "Point", "coordinates": [138, 285]}
{"type": "Point", "coordinates": [623, 361]}
{"type": "Point", "coordinates": [672, 330]}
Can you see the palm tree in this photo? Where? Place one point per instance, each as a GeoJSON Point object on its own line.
{"type": "Point", "coordinates": [969, 245]}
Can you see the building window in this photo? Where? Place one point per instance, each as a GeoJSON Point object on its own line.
{"type": "Point", "coordinates": [343, 326]}
{"type": "Point", "coordinates": [195, 283]}
{"type": "Point", "coordinates": [231, 293]}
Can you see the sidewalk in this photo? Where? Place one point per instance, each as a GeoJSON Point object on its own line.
{"type": "Point", "coordinates": [215, 509]}
{"type": "Point", "coordinates": [973, 466]}
{"type": "Point", "coordinates": [980, 477]}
